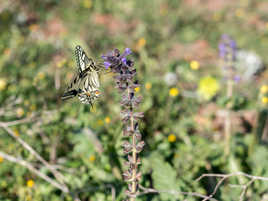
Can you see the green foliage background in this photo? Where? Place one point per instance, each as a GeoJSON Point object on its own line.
{"type": "Point", "coordinates": [37, 40]}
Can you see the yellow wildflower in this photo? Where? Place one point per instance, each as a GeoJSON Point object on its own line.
{"type": "Point", "coordinates": [33, 27]}
{"type": "Point", "coordinates": [87, 3]}
{"type": "Point", "coordinates": [148, 85]}
{"type": "Point", "coordinates": [92, 158]}
{"type": "Point", "coordinates": [16, 132]}
{"type": "Point", "coordinates": [194, 65]}
{"type": "Point", "coordinates": [265, 100]}
{"type": "Point", "coordinates": [3, 84]}
{"type": "Point", "coordinates": [41, 75]}
{"type": "Point", "coordinates": [100, 122]}
{"type": "Point", "coordinates": [264, 89]}
{"type": "Point", "coordinates": [240, 12]}
{"type": "Point", "coordinates": [174, 92]}
{"type": "Point", "coordinates": [137, 89]}
{"type": "Point", "coordinates": [61, 63]}
{"type": "Point", "coordinates": [141, 43]}
{"type": "Point", "coordinates": [33, 107]}
{"type": "Point", "coordinates": [30, 183]}
{"type": "Point", "coordinates": [107, 120]}
{"type": "Point", "coordinates": [7, 51]}
{"type": "Point", "coordinates": [208, 87]}
{"type": "Point", "coordinates": [172, 138]}
{"type": "Point", "coordinates": [20, 112]}
{"type": "Point", "coordinates": [1, 159]}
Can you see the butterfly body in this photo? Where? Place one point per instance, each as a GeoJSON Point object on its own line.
{"type": "Point", "coordinates": [85, 84]}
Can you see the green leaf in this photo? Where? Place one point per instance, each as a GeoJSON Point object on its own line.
{"type": "Point", "coordinates": [164, 177]}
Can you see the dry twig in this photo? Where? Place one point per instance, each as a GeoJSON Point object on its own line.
{"type": "Point", "coordinates": [173, 192]}
{"type": "Point", "coordinates": [35, 171]}
{"type": "Point", "coordinates": [57, 174]}
{"type": "Point", "coordinates": [226, 176]}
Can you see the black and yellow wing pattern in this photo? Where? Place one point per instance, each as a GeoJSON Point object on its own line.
{"type": "Point", "coordinates": [85, 84]}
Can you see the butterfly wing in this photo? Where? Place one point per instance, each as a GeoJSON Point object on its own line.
{"type": "Point", "coordinates": [73, 88]}
{"type": "Point", "coordinates": [82, 60]}
{"type": "Point", "coordinates": [85, 83]}
{"type": "Point", "coordinates": [89, 88]}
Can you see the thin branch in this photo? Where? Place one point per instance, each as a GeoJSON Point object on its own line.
{"type": "Point", "coordinates": [226, 176]}
{"type": "Point", "coordinates": [16, 122]}
{"type": "Point", "coordinates": [245, 188]}
{"type": "Point", "coordinates": [173, 192]}
{"type": "Point", "coordinates": [233, 174]}
{"type": "Point", "coordinates": [35, 171]}
{"type": "Point", "coordinates": [57, 174]}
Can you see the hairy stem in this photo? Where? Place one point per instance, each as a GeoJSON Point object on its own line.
{"type": "Point", "coordinates": [134, 156]}
{"type": "Point", "coordinates": [227, 123]}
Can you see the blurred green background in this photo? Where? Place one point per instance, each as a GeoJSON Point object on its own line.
{"type": "Point", "coordinates": [175, 49]}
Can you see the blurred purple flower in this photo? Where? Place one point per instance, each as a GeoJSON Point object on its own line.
{"type": "Point", "coordinates": [107, 64]}
{"type": "Point", "coordinates": [227, 52]}
{"type": "Point", "coordinates": [127, 51]}
{"type": "Point", "coordinates": [227, 48]}
{"type": "Point", "coordinates": [124, 60]}
{"type": "Point", "coordinates": [237, 78]}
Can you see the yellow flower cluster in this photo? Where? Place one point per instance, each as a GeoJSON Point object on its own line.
{"type": "Point", "coordinates": [41, 75]}
{"type": "Point", "coordinates": [107, 120]}
{"type": "Point", "coordinates": [208, 87]}
{"type": "Point", "coordinates": [33, 27]}
{"type": "Point", "coordinates": [194, 65]}
{"type": "Point", "coordinates": [16, 132]}
{"type": "Point", "coordinates": [148, 85]}
{"type": "Point", "coordinates": [240, 13]}
{"type": "Point", "coordinates": [173, 92]}
{"type": "Point", "coordinates": [92, 158]}
{"type": "Point", "coordinates": [61, 63]}
{"type": "Point", "coordinates": [30, 183]}
{"type": "Point", "coordinates": [137, 89]}
{"type": "Point", "coordinates": [100, 122]}
{"type": "Point", "coordinates": [1, 159]}
{"type": "Point", "coordinates": [264, 94]}
{"type": "Point", "coordinates": [141, 43]}
{"type": "Point", "coordinates": [264, 100]}
{"type": "Point", "coordinates": [3, 84]}
{"type": "Point", "coordinates": [264, 89]}
{"type": "Point", "coordinates": [172, 138]}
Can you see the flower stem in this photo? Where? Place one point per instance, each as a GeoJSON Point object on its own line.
{"type": "Point", "coordinates": [134, 156]}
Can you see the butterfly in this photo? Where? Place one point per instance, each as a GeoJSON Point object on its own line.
{"type": "Point", "coordinates": [85, 84]}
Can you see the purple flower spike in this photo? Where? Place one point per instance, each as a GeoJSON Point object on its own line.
{"type": "Point", "coordinates": [127, 83]}
{"type": "Point", "coordinates": [107, 64]}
